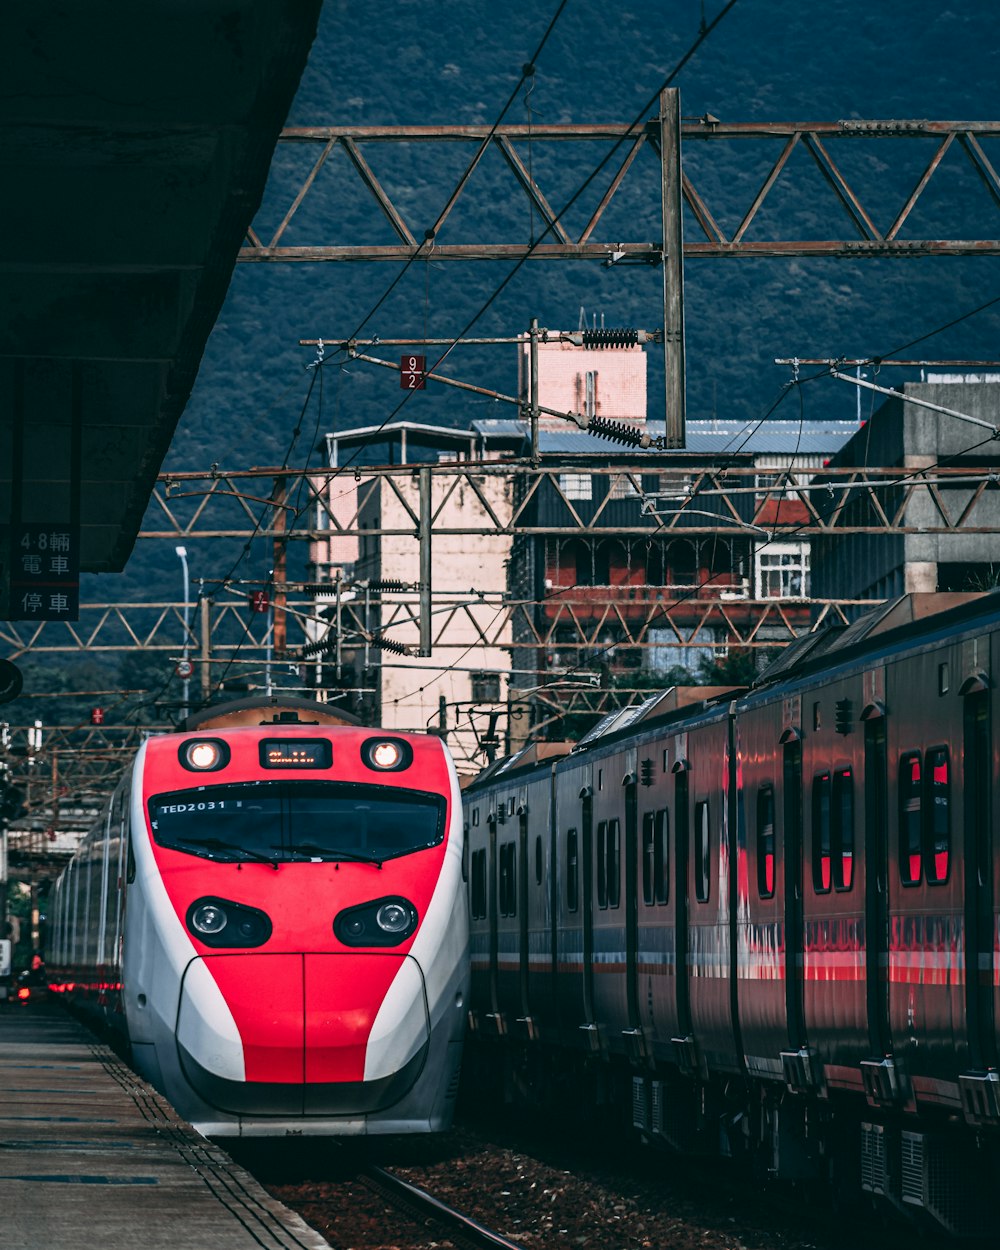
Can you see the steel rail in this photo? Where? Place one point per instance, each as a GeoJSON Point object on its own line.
{"type": "Point", "coordinates": [410, 1197]}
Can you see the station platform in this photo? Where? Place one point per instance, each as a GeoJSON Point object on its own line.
{"type": "Point", "coordinates": [93, 1158]}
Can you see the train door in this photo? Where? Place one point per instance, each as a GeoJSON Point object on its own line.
{"type": "Point", "coordinates": [632, 904]}
{"type": "Point", "coordinates": [587, 902]}
{"type": "Point", "coordinates": [493, 912]}
{"type": "Point", "coordinates": [979, 919]}
{"type": "Point", "coordinates": [682, 842]}
{"type": "Point", "coordinates": [876, 799]}
{"type": "Point", "coordinates": [523, 899]}
{"type": "Point", "coordinates": [792, 851]}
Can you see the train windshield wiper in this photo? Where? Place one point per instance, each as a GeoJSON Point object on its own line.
{"type": "Point", "coordinates": [217, 844]}
{"type": "Point", "coordinates": [333, 852]}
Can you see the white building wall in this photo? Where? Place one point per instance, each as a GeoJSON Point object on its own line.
{"type": "Point", "coordinates": [462, 568]}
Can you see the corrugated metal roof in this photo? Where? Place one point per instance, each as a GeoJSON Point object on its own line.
{"type": "Point", "coordinates": [703, 437]}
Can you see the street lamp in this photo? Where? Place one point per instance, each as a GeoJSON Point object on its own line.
{"type": "Point", "coordinates": [182, 553]}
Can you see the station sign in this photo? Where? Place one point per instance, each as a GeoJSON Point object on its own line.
{"type": "Point", "coordinates": [44, 572]}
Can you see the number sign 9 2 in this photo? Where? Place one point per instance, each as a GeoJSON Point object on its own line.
{"type": "Point", "coordinates": [412, 373]}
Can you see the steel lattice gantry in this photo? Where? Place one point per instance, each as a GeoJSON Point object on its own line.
{"type": "Point", "coordinates": [842, 165]}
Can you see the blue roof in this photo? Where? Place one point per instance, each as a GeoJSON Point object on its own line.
{"type": "Point", "coordinates": [784, 438]}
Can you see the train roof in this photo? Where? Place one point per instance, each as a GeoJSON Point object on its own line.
{"type": "Point", "coordinates": [278, 708]}
{"type": "Point", "coordinates": [895, 622]}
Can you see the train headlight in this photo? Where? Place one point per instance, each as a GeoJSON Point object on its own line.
{"type": "Point", "coordinates": [204, 755]}
{"type": "Point", "coordinates": [382, 922]}
{"type": "Point", "coordinates": [209, 919]}
{"type": "Point", "coordinates": [393, 918]}
{"type": "Point", "coordinates": [220, 922]}
{"type": "Point", "coordinates": [387, 755]}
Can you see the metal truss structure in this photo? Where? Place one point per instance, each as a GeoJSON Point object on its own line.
{"type": "Point", "coordinates": [64, 783]}
{"type": "Point", "coordinates": [761, 160]}
{"type": "Point", "coordinates": [689, 498]}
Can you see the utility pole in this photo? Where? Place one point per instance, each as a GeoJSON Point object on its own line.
{"type": "Point", "coordinates": [206, 645]}
{"type": "Point", "coordinates": [672, 256]}
{"type": "Point", "coordinates": [533, 390]}
{"type": "Point", "coordinates": [279, 625]}
{"type": "Point", "coordinates": [424, 534]}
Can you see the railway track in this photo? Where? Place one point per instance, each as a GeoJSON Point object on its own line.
{"type": "Point", "coordinates": [461, 1230]}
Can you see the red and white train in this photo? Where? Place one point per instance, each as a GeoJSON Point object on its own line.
{"type": "Point", "coordinates": [272, 909]}
{"type": "Point", "coordinates": [768, 923]}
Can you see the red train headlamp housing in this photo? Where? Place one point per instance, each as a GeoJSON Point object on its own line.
{"type": "Point", "coordinates": [221, 922]}
{"type": "Point", "coordinates": [387, 755]}
{"type": "Point", "coordinates": [382, 922]}
{"type": "Point", "coordinates": [203, 755]}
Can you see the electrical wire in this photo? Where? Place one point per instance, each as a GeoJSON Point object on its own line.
{"type": "Point", "coordinates": [638, 121]}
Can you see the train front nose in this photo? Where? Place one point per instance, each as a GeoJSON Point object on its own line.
{"type": "Point", "coordinates": [340, 1034]}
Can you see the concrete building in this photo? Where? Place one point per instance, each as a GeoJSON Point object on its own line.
{"type": "Point", "coordinates": [901, 433]}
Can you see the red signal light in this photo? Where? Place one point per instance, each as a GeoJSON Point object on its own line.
{"type": "Point", "coordinates": [23, 993]}
{"type": "Point", "coordinates": [97, 716]}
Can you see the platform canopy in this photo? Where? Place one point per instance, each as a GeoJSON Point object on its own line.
{"type": "Point", "coordinates": [135, 141]}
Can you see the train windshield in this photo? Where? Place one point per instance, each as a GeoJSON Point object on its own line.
{"type": "Point", "coordinates": [295, 822]}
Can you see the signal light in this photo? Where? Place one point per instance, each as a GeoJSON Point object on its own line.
{"type": "Point", "coordinates": [843, 718]}
{"type": "Point", "coordinates": [646, 772]}
{"type": "Point", "coordinates": [97, 716]}
{"type": "Point", "coordinates": [23, 993]}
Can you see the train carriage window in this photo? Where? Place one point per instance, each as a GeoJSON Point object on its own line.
{"type": "Point", "coordinates": [478, 891]}
{"type": "Point", "coordinates": [572, 871]}
{"type": "Point", "coordinates": [765, 841]}
{"type": "Point", "coordinates": [843, 830]}
{"type": "Point", "coordinates": [475, 816]}
{"type": "Point", "coordinates": [602, 863]}
{"type": "Point", "coordinates": [702, 852]}
{"type": "Point", "coordinates": [538, 860]}
{"type": "Point", "coordinates": [648, 855]}
{"type": "Point", "coordinates": [661, 855]}
{"type": "Point", "coordinates": [937, 849]}
{"type": "Point", "coordinates": [910, 818]}
{"type": "Point", "coordinates": [614, 864]}
{"type": "Point", "coordinates": [821, 871]}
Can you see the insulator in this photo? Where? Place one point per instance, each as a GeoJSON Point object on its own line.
{"type": "Point", "coordinates": [618, 432]}
{"type": "Point", "coordinates": [620, 337]}
{"type": "Point", "coordinates": [389, 586]}
{"type": "Point", "coordinates": [390, 644]}
{"type": "Point", "coordinates": [314, 648]}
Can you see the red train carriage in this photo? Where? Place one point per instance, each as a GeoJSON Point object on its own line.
{"type": "Point", "coordinates": [275, 914]}
{"type": "Point", "coordinates": [769, 921]}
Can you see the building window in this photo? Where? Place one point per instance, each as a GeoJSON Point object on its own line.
{"type": "Point", "coordinates": [575, 485]}
{"type": "Point", "coordinates": [485, 687]}
{"type": "Point", "coordinates": [782, 571]}
{"type": "Point", "coordinates": [622, 487]}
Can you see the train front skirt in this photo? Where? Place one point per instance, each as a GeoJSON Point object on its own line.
{"type": "Point", "coordinates": [333, 1034]}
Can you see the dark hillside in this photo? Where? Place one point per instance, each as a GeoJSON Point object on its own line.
{"type": "Point", "coordinates": [456, 62]}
